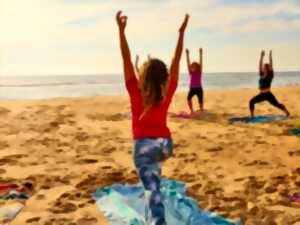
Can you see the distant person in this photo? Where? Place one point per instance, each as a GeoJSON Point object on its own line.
{"type": "Point", "coordinates": [195, 71]}
{"type": "Point", "coordinates": [150, 98]}
{"type": "Point", "coordinates": [266, 73]}
{"type": "Point", "coordinates": [137, 62]}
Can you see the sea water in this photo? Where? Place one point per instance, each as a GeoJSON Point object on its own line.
{"type": "Point", "coordinates": [53, 86]}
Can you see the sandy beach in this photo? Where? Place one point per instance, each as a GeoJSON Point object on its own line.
{"type": "Point", "coordinates": [69, 147]}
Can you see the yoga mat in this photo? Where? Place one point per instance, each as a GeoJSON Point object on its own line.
{"type": "Point", "coordinates": [182, 115]}
{"type": "Point", "coordinates": [295, 131]}
{"type": "Point", "coordinates": [125, 205]}
{"type": "Point", "coordinates": [258, 119]}
{"type": "Point", "coordinates": [187, 115]}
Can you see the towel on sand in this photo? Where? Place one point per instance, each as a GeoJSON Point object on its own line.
{"type": "Point", "coordinates": [12, 201]}
{"type": "Point", "coordinates": [125, 205]}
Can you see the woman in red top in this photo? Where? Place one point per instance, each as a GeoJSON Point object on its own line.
{"type": "Point", "coordinates": [150, 97]}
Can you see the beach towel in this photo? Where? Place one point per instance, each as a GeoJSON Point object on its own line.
{"type": "Point", "coordinates": [258, 119]}
{"type": "Point", "coordinates": [12, 201]}
{"type": "Point", "coordinates": [125, 205]}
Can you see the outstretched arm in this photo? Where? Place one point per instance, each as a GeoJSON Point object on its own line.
{"type": "Point", "coordinates": [261, 61]}
{"type": "Point", "coordinates": [201, 59]}
{"type": "Point", "coordinates": [174, 70]}
{"type": "Point", "coordinates": [188, 61]}
{"type": "Point", "coordinates": [271, 60]}
{"type": "Point", "coordinates": [127, 64]}
{"type": "Point", "coordinates": [137, 63]}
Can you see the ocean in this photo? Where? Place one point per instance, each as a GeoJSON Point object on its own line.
{"type": "Point", "coordinates": [41, 87]}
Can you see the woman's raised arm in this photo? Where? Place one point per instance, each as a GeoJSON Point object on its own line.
{"type": "Point", "coordinates": [188, 61]}
{"type": "Point", "coordinates": [201, 59]}
{"type": "Point", "coordinates": [127, 64]}
{"type": "Point", "coordinates": [271, 60]}
{"type": "Point", "coordinates": [261, 61]}
{"type": "Point", "coordinates": [174, 70]}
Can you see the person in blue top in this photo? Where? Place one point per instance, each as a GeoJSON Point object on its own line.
{"type": "Point", "coordinates": [266, 73]}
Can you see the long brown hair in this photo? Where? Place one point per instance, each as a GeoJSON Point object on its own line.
{"type": "Point", "coordinates": [154, 77]}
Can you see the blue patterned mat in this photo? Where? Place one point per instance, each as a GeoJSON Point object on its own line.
{"type": "Point", "coordinates": [125, 205]}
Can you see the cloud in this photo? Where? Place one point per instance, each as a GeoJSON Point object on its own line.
{"type": "Point", "coordinates": [80, 36]}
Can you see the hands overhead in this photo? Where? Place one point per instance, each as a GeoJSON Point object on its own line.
{"type": "Point", "coordinates": [121, 21]}
{"type": "Point", "coordinates": [184, 24]}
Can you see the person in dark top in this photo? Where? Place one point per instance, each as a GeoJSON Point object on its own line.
{"type": "Point", "coordinates": [266, 73]}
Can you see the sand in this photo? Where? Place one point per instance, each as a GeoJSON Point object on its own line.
{"type": "Point", "coordinates": [69, 147]}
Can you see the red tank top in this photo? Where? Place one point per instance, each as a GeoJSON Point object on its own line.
{"type": "Point", "coordinates": [153, 123]}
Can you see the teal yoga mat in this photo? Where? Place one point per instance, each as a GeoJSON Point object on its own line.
{"type": "Point", "coordinates": [295, 131]}
{"type": "Point", "coordinates": [258, 119]}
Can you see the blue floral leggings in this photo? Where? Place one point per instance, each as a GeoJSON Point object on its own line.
{"type": "Point", "coordinates": [148, 153]}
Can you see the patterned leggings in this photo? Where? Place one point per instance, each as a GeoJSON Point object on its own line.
{"type": "Point", "coordinates": [148, 153]}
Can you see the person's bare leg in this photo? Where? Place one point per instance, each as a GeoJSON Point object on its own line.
{"type": "Point", "coordinates": [287, 112]}
{"type": "Point", "coordinates": [201, 107]}
{"type": "Point", "coordinates": [190, 104]}
{"type": "Point", "coordinates": [252, 113]}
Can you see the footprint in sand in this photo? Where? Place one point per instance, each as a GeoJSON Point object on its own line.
{"type": "Point", "coordinates": [59, 221]}
{"type": "Point", "coordinates": [239, 179]}
{"type": "Point", "coordinates": [81, 136]}
{"type": "Point", "coordinates": [107, 150]}
{"type": "Point", "coordinates": [86, 161]}
{"type": "Point", "coordinates": [8, 160]}
{"type": "Point", "coordinates": [294, 153]}
{"type": "Point", "coordinates": [188, 177]}
{"type": "Point", "coordinates": [257, 162]}
{"type": "Point", "coordinates": [254, 183]}
{"type": "Point", "coordinates": [59, 150]}
{"type": "Point", "coordinates": [106, 167]}
{"type": "Point", "coordinates": [40, 197]}
{"type": "Point", "coordinates": [297, 171]}
{"type": "Point", "coordinates": [33, 220]}
{"type": "Point", "coordinates": [4, 111]}
{"type": "Point", "coordinates": [3, 145]}
{"type": "Point", "coordinates": [87, 221]}
{"type": "Point", "coordinates": [181, 144]}
{"type": "Point", "coordinates": [214, 149]}
{"type": "Point", "coordinates": [103, 117]}
{"type": "Point", "coordinates": [63, 207]}
{"type": "Point", "coordinates": [196, 187]}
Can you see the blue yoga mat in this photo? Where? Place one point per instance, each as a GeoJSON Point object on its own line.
{"type": "Point", "coordinates": [125, 205]}
{"type": "Point", "coordinates": [258, 119]}
{"type": "Point", "coordinates": [295, 131]}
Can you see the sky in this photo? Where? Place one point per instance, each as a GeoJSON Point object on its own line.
{"type": "Point", "coordinates": [74, 37]}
